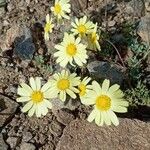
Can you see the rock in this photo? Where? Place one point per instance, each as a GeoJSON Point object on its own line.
{"type": "Point", "coordinates": [147, 5]}
{"type": "Point", "coordinates": [27, 146]}
{"type": "Point", "coordinates": [41, 138]}
{"type": "Point", "coordinates": [49, 146]}
{"type": "Point", "coordinates": [10, 7]}
{"type": "Point", "coordinates": [103, 70]}
{"type": "Point", "coordinates": [5, 23]}
{"type": "Point", "coordinates": [3, 145]}
{"type": "Point", "coordinates": [78, 6]}
{"type": "Point", "coordinates": [111, 23]}
{"type": "Point", "coordinates": [136, 8]}
{"type": "Point", "coordinates": [64, 116]}
{"type": "Point", "coordinates": [55, 128]}
{"type": "Point", "coordinates": [57, 104]}
{"type": "Point", "coordinates": [2, 11]}
{"type": "Point", "coordinates": [118, 39]}
{"type": "Point", "coordinates": [27, 136]}
{"type": "Point", "coordinates": [144, 28]}
{"type": "Point", "coordinates": [13, 142]}
{"type": "Point", "coordinates": [72, 104]}
{"type": "Point", "coordinates": [111, 7]}
{"type": "Point", "coordinates": [129, 135]}
{"type": "Point", "coordinates": [69, 104]}
{"type": "Point", "coordinates": [11, 89]}
{"type": "Point", "coordinates": [8, 109]}
{"type": "Point", "coordinates": [7, 41]}
{"type": "Point", "coordinates": [24, 47]}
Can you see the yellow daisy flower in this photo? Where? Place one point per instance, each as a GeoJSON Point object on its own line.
{"type": "Point", "coordinates": [83, 87]}
{"type": "Point", "coordinates": [93, 39]}
{"type": "Point", "coordinates": [64, 83]}
{"type": "Point", "coordinates": [82, 26]}
{"type": "Point", "coordinates": [106, 101]}
{"type": "Point", "coordinates": [48, 27]}
{"type": "Point", "coordinates": [60, 9]}
{"type": "Point", "coordinates": [70, 50]}
{"type": "Point", "coordinates": [36, 97]}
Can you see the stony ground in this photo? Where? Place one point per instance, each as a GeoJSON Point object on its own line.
{"type": "Point", "coordinates": [65, 127]}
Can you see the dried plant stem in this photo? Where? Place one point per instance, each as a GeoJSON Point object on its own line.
{"type": "Point", "coordinates": [117, 52]}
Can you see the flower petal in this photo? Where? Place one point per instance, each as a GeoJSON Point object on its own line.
{"type": "Point", "coordinates": [33, 83]}
{"type": "Point", "coordinates": [38, 83]}
{"type": "Point", "coordinates": [23, 99]}
{"type": "Point", "coordinates": [32, 111]}
{"type": "Point", "coordinates": [119, 109]}
{"type": "Point", "coordinates": [46, 87]}
{"type": "Point", "coordinates": [69, 92]}
{"type": "Point", "coordinates": [23, 92]}
{"type": "Point", "coordinates": [98, 118]}
{"type": "Point", "coordinates": [38, 111]}
{"type": "Point", "coordinates": [27, 106]}
{"type": "Point", "coordinates": [113, 118]}
{"type": "Point", "coordinates": [96, 87]}
{"type": "Point", "coordinates": [92, 115]}
{"type": "Point", "coordinates": [106, 117]}
{"type": "Point", "coordinates": [48, 104]}
{"type": "Point", "coordinates": [105, 85]}
{"type": "Point", "coordinates": [26, 87]}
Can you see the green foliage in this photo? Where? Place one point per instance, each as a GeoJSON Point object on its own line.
{"type": "Point", "coordinates": [40, 62]}
{"type": "Point", "coordinates": [140, 51]}
{"type": "Point", "coordinates": [139, 95]}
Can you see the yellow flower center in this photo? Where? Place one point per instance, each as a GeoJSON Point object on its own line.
{"type": "Point", "coordinates": [48, 27]}
{"type": "Point", "coordinates": [71, 49]}
{"type": "Point", "coordinates": [37, 96]}
{"type": "Point", "coordinates": [63, 84]}
{"type": "Point", "coordinates": [82, 89]}
{"type": "Point", "coordinates": [57, 8]}
{"type": "Point", "coordinates": [82, 29]}
{"type": "Point", "coordinates": [103, 103]}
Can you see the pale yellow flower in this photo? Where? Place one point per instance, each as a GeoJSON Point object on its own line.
{"type": "Point", "coordinates": [84, 87]}
{"type": "Point", "coordinates": [64, 83]}
{"type": "Point", "coordinates": [81, 26]}
{"type": "Point", "coordinates": [106, 101]}
{"type": "Point", "coordinates": [48, 27]}
{"type": "Point", "coordinates": [71, 50]}
{"type": "Point", "coordinates": [93, 39]}
{"type": "Point", "coordinates": [36, 97]}
{"type": "Point", "coordinates": [61, 8]}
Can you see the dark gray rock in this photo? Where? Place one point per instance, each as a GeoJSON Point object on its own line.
{"type": "Point", "coordinates": [24, 47]}
{"type": "Point", "coordinates": [104, 70]}
{"type": "Point", "coordinates": [8, 109]}
{"type": "Point", "coordinates": [82, 135]}
{"type": "Point", "coordinates": [3, 145]}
